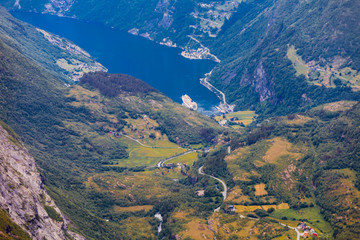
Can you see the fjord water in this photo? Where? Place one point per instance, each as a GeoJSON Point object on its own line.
{"type": "Point", "coordinates": [160, 66]}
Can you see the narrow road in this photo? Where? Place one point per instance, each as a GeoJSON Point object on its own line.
{"type": "Point", "coordinates": [224, 193]}
{"type": "Point", "coordinates": [223, 105]}
{"type": "Point", "coordinates": [282, 224]}
{"type": "Point", "coordinates": [147, 146]}
{"type": "Point", "coordinates": [204, 81]}
{"type": "Point", "coordinates": [135, 140]}
{"type": "Point", "coordinates": [294, 228]}
{"type": "Point", "coordinates": [161, 163]}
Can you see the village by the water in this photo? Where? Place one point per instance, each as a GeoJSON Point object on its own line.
{"type": "Point", "coordinates": [225, 115]}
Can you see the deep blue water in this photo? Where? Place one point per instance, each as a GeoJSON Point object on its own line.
{"type": "Point", "coordinates": [160, 66]}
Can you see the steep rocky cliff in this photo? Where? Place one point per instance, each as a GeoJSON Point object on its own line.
{"type": "Point", "coordinates": [22, 193]}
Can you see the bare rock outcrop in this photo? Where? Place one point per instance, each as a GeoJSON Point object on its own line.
{"type": "Point", "coordinates": [22, 193]}
{"type": "Point", "coordinates": [262, 84]}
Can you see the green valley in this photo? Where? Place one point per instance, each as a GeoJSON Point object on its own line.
{"type": "Point", "coordinates": [121, 160]}
{"type": "Point", "coordinates": [67, 130]}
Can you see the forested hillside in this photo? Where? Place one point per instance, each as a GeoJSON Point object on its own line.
{"type": "Point", "coordinates": [308, 161]}
{"type": "Point", "coordinates": [58, 56]}
{"type": "Point", "coordinates": [113, 152]}
{"type": "Point", "coordinates": [262, 72]}
{"type": "Point", "coordinates": [83, 135]}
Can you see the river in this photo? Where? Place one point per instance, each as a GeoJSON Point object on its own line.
{"type": "Point", "coordinates": [160, 66]}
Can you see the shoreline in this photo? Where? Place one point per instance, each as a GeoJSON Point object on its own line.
{"type": "Point", "coordinates": [223, 106]}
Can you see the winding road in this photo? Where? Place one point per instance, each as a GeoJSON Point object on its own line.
{"type": "Point", "coordinates": [163, 161]}
{"type": "Point", "coordinates": [147, 146]}
{"type": "Point", "coordinates": [224, 193]}
{"type": "Point", "coordinates": [294, 228]}
{"type": "Point", "coordinates": [205, 82]}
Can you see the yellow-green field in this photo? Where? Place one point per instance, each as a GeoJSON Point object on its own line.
{"type": "Point", "coordinates": [245, 117]}
{"type": "Point", "coordinates": [232, 226]}
{"type": "Point", "coordinates": [72, 66]}
{"type": "Point", "coordinates": [235, 169]}
{"type": "Point", "coordinates": [324, 75]}
{"type": "Point", "coordinates": [298, 120]}
{"type": "Point", "coordinates": [138, 208]}
{"type": "Point", "coordinates": [173, 173]}
{"type": "Point", "coordinates": [77, 68]}
{"type": "Point", "coordinates": [145, 156]}
{"type": "Point", "coordinates": [260, 190]}
{"type": "Point", "coordinates": [243, 208]}
{"type": "Point", "coordinates": [235, 195]}
{"type": "Point", "coordinates": [138, 228]}
{"type": "Point", "coordinates": [192, 226]}
{"type": "Point", "coordinates": [197, 229]}
{"type": "Point", "coordinates": [196, 146]}
{"type": "Point", "coordinates": [185, 159]}
{"type": "Point", "coordinates": [297, 61]}
{"type": "Point", "coordinates": [130, 186]}
{"type": "Point", "coordinates": [280, 147]}
{"type": "Point", "coordinates": [161, 142]}
{"type": "Point", "coordinates": [312, 214]}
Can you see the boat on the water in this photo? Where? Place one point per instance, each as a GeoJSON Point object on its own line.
{"type": "Point", "coordinates": [188, 102]}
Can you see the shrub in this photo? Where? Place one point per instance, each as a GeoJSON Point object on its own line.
{"type": "Point", "coordinates": [261, 213]}
{"type": "Point", "coordinates": [270, 210]}
{"type": "Point", "coordinates": [53, 214]}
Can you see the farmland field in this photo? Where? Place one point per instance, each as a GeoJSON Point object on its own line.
{"type": "Point", "coordinates": [145, 156]}
{"type": "Point", "coordinates": [245, 117]}
{"type": "Point", "coordinates": [312, 216]}
{"type": "Point", "coordinates": [138, 208]}
{"type": "Point", "coordinates": [185, 159]}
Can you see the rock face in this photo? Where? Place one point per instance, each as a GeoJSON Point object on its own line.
{"type": "Point", "coordinates": [59, 7]}
{"type": "Point", "coordinates": [262, 84]}
{"type": "Point", "coordinates": [163, 6]}
{"type": "Point", "coordinates": [23, 195]}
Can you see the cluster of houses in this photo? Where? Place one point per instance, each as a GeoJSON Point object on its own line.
{"type": "Point", "coordinates": [173, 165]}
{"type": "Point", "coordinates": [116, 134]}
{"type": "Point", "coordinates": [223, 122]}
{"type": "Point", "coordinates": [308, 231]}
{"type": "Point", "coordinates": [230, 121]}
{"type": "Point", "coordinates": [231, 208]}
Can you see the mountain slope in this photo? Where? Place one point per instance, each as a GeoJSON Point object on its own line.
{"type": "Point", "coordinates": [45, 49]}
{"type": "Point", "coordinates": [308, 161]}
{"type": "Point", "coordinates": [10, 230]}
{"type": "Point", "coordinates": [259, 38]}
{"type": "Point", "coordinates": [97, 142]}
{"type": "Point", "coordinates": [169, 22]}
{"type": "Point", "coordinates": [277, 56]}
{"type": "Point", "coordinates": [76, 134]}
{"type": "Point", "coordinates": [23, 195]}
